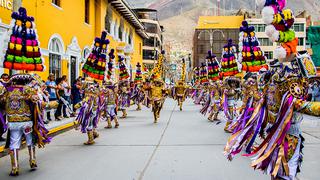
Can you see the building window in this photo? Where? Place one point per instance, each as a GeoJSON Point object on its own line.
{"type": "Point", "coordinates": [55, 51]}
{"type": "Point", "coordinates": [149, 42]}
{"type": "Point", "coordinates": [298, 27]}
{"type": "Point", "coordinates": [85, 53]}
{"type": "Point", "coordinates": [300, 41]}
{"type": "Point", "coordinates": [108, 19]}
{"type": "Point", "coordinates": [151, 28]}
{"type": "Point", "coordinates": [265, 42]}
{"type": "Point", "coordinates": [149, 54]}
{"type": "Point", "coordinates": [116, 28]}
{"type": "Point", "coordinates": [86, 11]}
{"type": "Point", "coordinates": [259, 27]}
{"type": "Point", "coordinates": [201, 49]}
{"type": "Point", "coordinates": [121, 29]}
{"type": "Point", "coordinates": [124, 36]}
{"type": "Point", "coordinates": [56, 2]}
{"type": "Point", "coordinates": [130, 38]}
{"type": "Point", "coordinates": [268, 54]}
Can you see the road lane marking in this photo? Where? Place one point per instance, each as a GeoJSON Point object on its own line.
{"type": "Point", "coordinates": [157, 146]}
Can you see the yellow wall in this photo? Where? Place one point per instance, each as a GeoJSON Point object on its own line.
{"type": "Point", "coordinates": [137, 56]}
{"type": "Point", "coordinates": [68, 22]}
{"type": "Point", "coordinates": [5, 15]}
{"type": "Point", "coordinates": [218, 22]}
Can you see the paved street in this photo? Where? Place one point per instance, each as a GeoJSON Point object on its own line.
{"type": "Point", "coordinates": [182, 146]}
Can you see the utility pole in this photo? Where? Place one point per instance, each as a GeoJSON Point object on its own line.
{"type": "Point", "coordinates": [218, 2]}
{"type": "Point", "coordinates": [224, 8]}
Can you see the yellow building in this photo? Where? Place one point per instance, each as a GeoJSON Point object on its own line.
{"type": "Point", "coordinates": [212, 33]}
{"type": "Point", "coordinates": [66, 31]}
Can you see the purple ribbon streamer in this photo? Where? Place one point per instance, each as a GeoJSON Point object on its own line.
{"type": "Point", "coordinates": [262, 116]}
{"type": "Point", "coordinates": [3, 122]}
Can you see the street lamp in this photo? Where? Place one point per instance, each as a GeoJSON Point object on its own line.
{"type": "Point", "coordinates": [211, 33]}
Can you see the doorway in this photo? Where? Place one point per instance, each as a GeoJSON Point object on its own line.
{"type": "Point", "coordinates": [73, 70]}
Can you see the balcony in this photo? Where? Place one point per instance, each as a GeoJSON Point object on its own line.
{"type": "Point", "coordinates": [151, 28]}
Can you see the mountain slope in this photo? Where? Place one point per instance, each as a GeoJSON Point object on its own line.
{"type": "Point", "coordinates": [179, 17]}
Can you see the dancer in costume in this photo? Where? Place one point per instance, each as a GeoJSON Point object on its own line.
{"type": "Point", "coordinates": [157, 91]}
{"type": "Point", "coordinates": [204, 82]}
{"type": "Point", "coordinates": [212, 104]}
{"type": "Point", "coordinates": [157, 97]}
{"type": "Point", "coordinates": [252, 119]}
{"type": "Point", "coordinates": [180, 89]}
{"type": "Point", "coordinates": [229, 68]}
{"type": "Point", "coordinates": [25, 118]}
{"type": "Point", "coordinates": [230, 97]}
{"type": "Point", "coordinates": [89, 110]}
{"type": "Point", "coordinates": [91, 105]}
{"type": "Point", "coordinates": [247, 126]}
{"type": "Point", "coordinates": [109, 95]}
{"type": "Point", "coordinates": [110, 104]}
{"type": "Point", "coordinates": [124, 88]}
{"type": "Point", "coordinates": [196, 82]}
{"type": "Point", "coordinates": [146, 92]}
{"type": "Point", "coordinates": [280, 154]}
{"type": "Point", "coordinates": [22, 103]}
{"type": "Point", "coordinates": [137, 94]}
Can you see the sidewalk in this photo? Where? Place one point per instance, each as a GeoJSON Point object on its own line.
{"type": "Point", "coordinates": [54, 127]}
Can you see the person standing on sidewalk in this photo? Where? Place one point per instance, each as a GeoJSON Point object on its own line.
{"type": "Point", "coordinates": [60, 95]}
{"type": "Point", "coordinates": [76, 94]}
{"type": "Point", "coordinates": [67, 96]}
{"type": "Point", "coordinates": [52, 88]}
{"type": "Point", "coordinates": [4, 79]}
{"type": "Point", "coordinates": [316, 92]}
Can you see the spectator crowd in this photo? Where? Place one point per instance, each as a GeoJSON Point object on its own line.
{"type": "Point", "coordinates": [61, 95]}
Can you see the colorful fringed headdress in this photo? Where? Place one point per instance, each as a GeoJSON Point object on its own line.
{"type": "Point", "coordinates": [124, 74]}
{"type": "Point", "coordinates": [203, 74]}
{"type": "Point", "coordinates": [196, 75]}
{"type": "Point", "coordinates": [138, 78]}
{"type": "Point", "coordinates": [95, 65]}
{"type": "Point", "coordinates": [23, 52]}
{"type": "Point", "coordinates": [229, 66]}
{"type": "Point", "coordinates": [110, 73]}
{"type": "Point", "coordinates": [250, 55]}
{"type": "Point", "coordinates": [279, 22]}
{"type": "Point", "coordinates": [213, 67]}
{"type": "Point", "coordinates": [157, 71]}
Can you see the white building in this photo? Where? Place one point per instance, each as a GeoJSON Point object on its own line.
{"type": "Point", "coordinates": [268, 46]}
{"type": "Point", "coordinates": [154, 45]}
